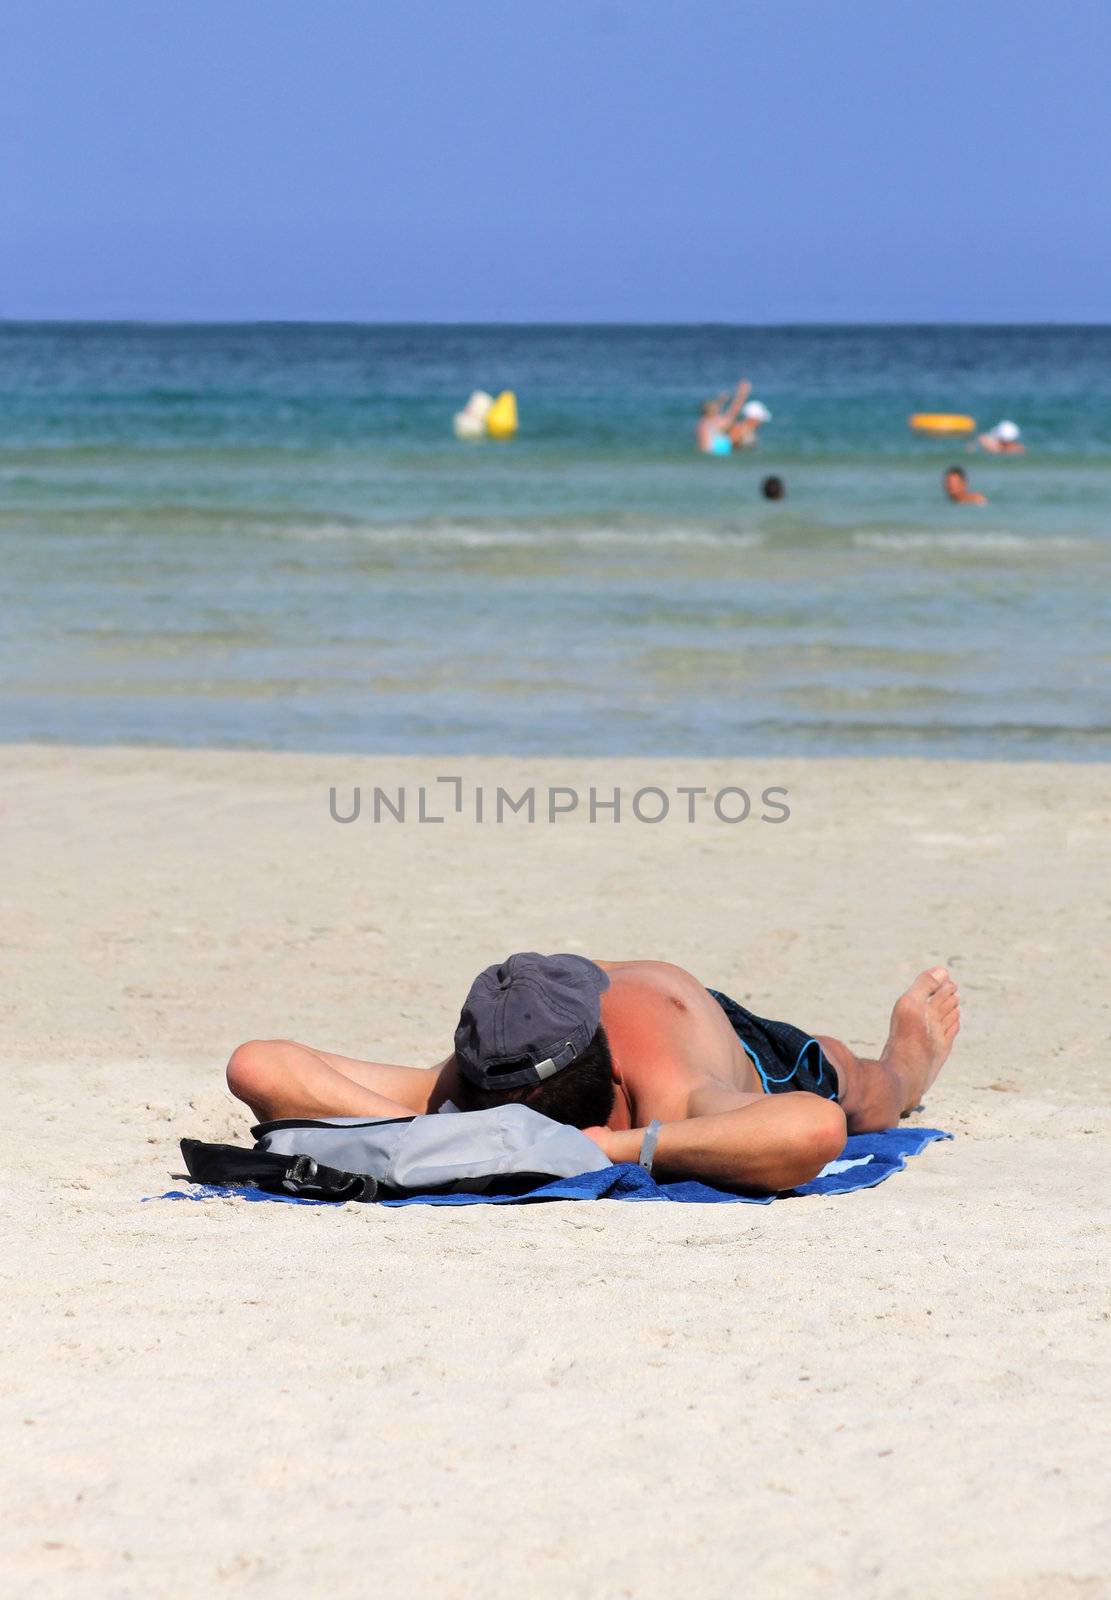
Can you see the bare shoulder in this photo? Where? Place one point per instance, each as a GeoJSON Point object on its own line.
{"type": "Point", "coordinates": [659, 989]}
{"type": "Point", "coordinates": [663, 976]}
{"type": "Point", "coordinates": [670, 1041]}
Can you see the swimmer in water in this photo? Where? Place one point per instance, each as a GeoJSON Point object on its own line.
{"type": "Point", "coordinates": [955, 484]}
{"type": "Point", "coordinates": [773, 488]}
{"type": "Point", "coordinates": [745, 430]}
{"type": "Point", "coordinates": [713, 435]}
{"type": "Point", "coordinates": [1002, 440]}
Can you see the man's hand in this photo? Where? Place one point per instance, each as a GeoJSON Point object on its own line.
{"type": "Point", "coordinates": [766, 1143]}
{"type": "Point", "coordinates": [619, 1144]}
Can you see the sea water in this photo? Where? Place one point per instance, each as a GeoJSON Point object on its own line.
{"type": "Point", "coordinates": [267, 536]}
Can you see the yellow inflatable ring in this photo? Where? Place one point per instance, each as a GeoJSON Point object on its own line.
{"type": "Point", "coordinates": [941, 422]}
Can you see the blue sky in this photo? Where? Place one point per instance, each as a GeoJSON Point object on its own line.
{"type": "Point", "coordinates": [491, 160]}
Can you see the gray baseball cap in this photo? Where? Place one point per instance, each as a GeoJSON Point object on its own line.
{"type": "Point", "coordinates": [543, 1010]}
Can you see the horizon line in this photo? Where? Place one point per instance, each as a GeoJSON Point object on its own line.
{"type": "Point", "coordinates": [555, 322]}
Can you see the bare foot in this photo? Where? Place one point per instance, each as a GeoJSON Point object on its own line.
{"type": "Point", "coordinates": [924, 1024]}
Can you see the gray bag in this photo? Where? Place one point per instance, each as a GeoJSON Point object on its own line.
{"type": "Point", "coordinates": [468, 1151]}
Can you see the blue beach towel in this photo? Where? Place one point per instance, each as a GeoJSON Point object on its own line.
{"type": "Point", "coordinates": [867, 1159]}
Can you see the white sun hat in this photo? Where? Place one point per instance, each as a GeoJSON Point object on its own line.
{"type": "Point", "coordinates": [470, 423]}
{"type": "Point", "coordinates": [756, 411]}
{"type": "Point", "coordinates": [1005, 432]}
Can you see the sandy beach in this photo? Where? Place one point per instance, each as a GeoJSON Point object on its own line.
{"type": "Point", "coordinates": [898, 1392]}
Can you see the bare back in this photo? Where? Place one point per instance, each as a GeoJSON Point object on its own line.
{"type": "Point", "coordinates": [674, 1053]}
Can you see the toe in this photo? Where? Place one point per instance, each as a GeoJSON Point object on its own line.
{"type": "Point", "coordinates": [925, 984]}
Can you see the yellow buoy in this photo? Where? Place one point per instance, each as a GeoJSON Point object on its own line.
{"type": "Point", "coordinates": [941, 422]}
{"type": "Point", "coordinates": [501, 419]}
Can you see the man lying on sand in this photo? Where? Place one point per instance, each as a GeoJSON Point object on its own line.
{"type": "Point", "coordinates": [616, 1047]}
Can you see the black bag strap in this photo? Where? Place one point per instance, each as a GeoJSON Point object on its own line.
{"type": "Point", "coordinates": [296, 1175]}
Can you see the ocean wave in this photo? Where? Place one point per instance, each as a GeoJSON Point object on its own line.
{"type": "Point", "coordinates": [468, 537]}
{"type": "Point", "coordinates": [968, 542]}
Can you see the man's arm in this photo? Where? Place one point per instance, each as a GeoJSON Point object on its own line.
{"type": "Point", "coordinates": [741, 394]}
{"type": "Point", "coordinates": [279, 1078]}
{"type": "Point", "coordinates": [768, 1143]}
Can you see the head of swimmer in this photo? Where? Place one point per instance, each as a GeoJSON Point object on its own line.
{"type": "Point", "coordinates": [955, 482]}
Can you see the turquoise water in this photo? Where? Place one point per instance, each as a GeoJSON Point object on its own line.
{"type": "Point", "coordinates": [267, 536]}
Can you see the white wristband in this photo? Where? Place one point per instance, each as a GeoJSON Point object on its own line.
{"type": "Point", "coordinates": [648, 1145]}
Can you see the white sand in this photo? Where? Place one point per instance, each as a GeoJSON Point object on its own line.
{"type": "Point", "coordinates": [895, 1393]}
